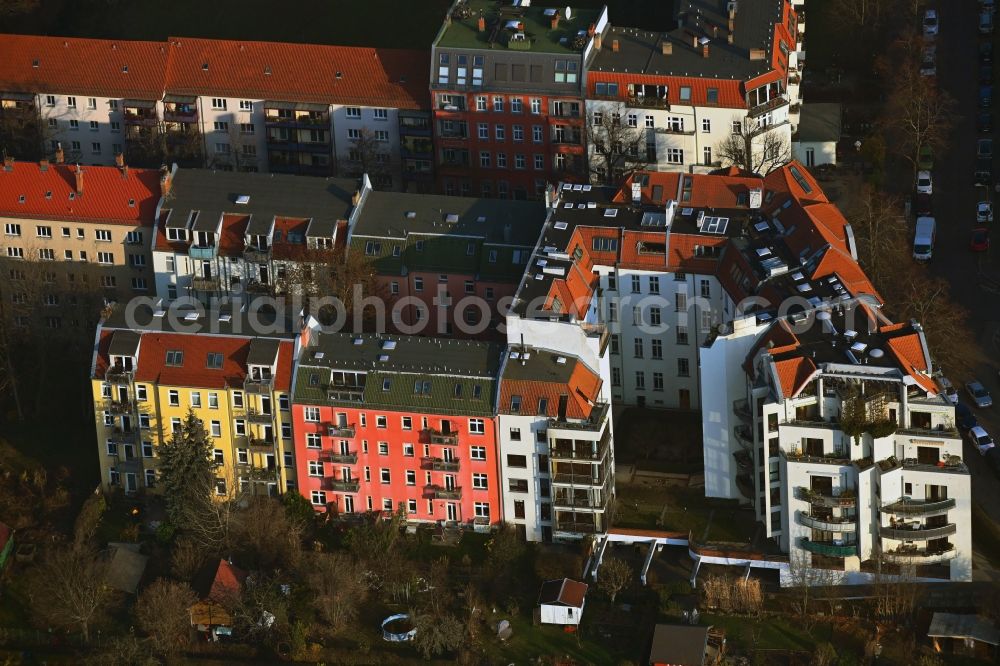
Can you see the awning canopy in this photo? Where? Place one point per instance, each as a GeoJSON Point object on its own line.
{"type": "Point", "coordinates": [180, 99]}
{"type": "Point", "coordinates": [140, 103]}
{"type": "Point", "coordinates": [295, 106]}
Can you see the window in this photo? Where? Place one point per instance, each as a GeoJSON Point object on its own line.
{"type": "Point", "coordinates": [484, 131]}
{"type": "Point", "coordinates": [480, 481]}
{"type": "Point", "coordinates": [706, 289]}
{"type": "Point", "coordinates": [147, 449]}
{"type": "Point", "coordinates": [311, 414]}
{"type": "Point", "coordinates": [218, 103]}
{"type": "Point", "coordinates": [116, 127]}
{"type": "Point", "coordinates": [71, 102]}
{"type": "Point", "coordinates": [11, 229]}
{"type": "Point", "coordinates": [640, 380]}
{"type": "Point", "coordinates": [43, 232]}
{"type": "Point", "coordinates": [50, 100]}
{"type": "Point", "coordinates": [246, 105]}
{"type": "Point", "coordinates": [484, 159]}
{"type": "Point", "coordinates": [680, 302]}
{"type": "Point", "coordinates": [498, 104]}
{"type": "Point", "coordinates": [318, 498]}
{"type": "Point", "coordinates": [615, 343]}
{"type": "Point", "coordinates": [382, 136]}
{"type": "Point", "coordinates": [477, 426]}
{"type": "Point", "coordinates": [222, 148]}
{"type": "Point", "coordinates": [657, 381]}
{"type": "Point", "coordinates": [312, 440]}
{"type": "Point", "coordinates": [654, 315]}
{"type": "Point", "coordinates": [633, 120]}
{"type": "Point", "coordinates": [706, 155]}
{"type": "Point", "coordinates": [383, 448]}
{"type": "Point", "coordinates": [683, 369]}
{"type": "Point", "coordinates": [218, 457]}
{"type": "Point", "coordinates": [737, 127]}
{"type": "Point", "coordinates": [380, 114]}
{"type": "Point", "coordinates": [481, 103]}
{"type": "Point", "coordinates": [685, 95]}
{"type": "Point", "coordinates": [501, 160]}
{"type": "Point", "coordinates": [173, 398]}
{"type": "Point", "coordinates": [315, 468]}
{"type": "Point", "coordinates": [706, 125]}
{"type": "Point", "coordinates": [213, 400]}
{"type": "Point", "coordinates": [384, 476]}
{"type": "Point", "coordinates": [221, 126]}
{"type": "Point", "coordinates": [515, 434]}
{"type": "Point", "coordinates": [675, 156]}
{"type": "Point", "coordinates": [682, 335]}
{"type": "Point", "coordinates": [520, 462]}
{"type": "Point", "coordinates": [515, 404]}
{"type": "Point", "coordinates": [519, 161]}
{"type": "Point", "coordinates": [220, 486]}
{"type": "Point", "coordinates": [637, 346]}
{"type": "Point", "coordinates": [196, 398]}
{"type": "Point", "coordinates": [477, 453]}
{"type": "Point", "coordinates": [657, 348]}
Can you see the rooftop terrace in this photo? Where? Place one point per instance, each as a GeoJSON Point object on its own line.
{"type": "Point", "coordinates": [509, 25]}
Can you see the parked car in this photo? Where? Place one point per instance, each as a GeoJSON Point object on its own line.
{"type": "Point", "coordinates": [985, 74]}
{"type": "Point", "coordinates": [979, 241]}
{"type": "Point", "coordinates": [985, 22]}
{"type": "Point", "coordinates": [926, 161]}
{"type": "Point", "coordinates": [984, 172]}
{"type": "Point", "coordinates": [924, 183]}
{"type": "Point", "coordinates": [947, 389]}
{"type": "Point", "coordinates": [984, 148]}
{"type": "Point", "coordinates": [984, 212]}
{"type": "Point", "coordinates": [984, 122]}
{"type": "Point", "coordinates": [922, 205]}
{"type": "Point", "coordinates": [923, 238]}
{"type": "Point", "coordinates": [930, 23]}
{"type": "Point", "coordinates": [964, 417]}
{"type": "Point", "coordinates": [985, 97]}
{"type": "Point", "coordinates": [985, 52]}
{"type": "Point", "coordinates": [988, 5]}
{"type": "Point", "coordinates": [980, 396]}
{"type": "Point", "coordinates": [979, 438]}
{"type": "Point", "coordinates": [928, 67]}
{"type": "Point", "coordinates": [993, 460]}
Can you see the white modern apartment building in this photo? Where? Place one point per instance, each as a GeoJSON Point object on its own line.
{"type": "Point", "coordinates": [726, 69]}
{"type": "Point", "coordinates": [225, 233]}
{"type": "Point", "coordinates": [833, 430]}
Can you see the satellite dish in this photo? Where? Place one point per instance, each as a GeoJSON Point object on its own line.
{"type": "Point", "coordinates": [569, 13]}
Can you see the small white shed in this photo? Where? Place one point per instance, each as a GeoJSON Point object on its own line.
{"type": "Point", "coordinates": [815, 141]}
{"type": "Point", "coordinates": [561, 601]}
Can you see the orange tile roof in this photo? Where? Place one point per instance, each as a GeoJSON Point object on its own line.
{"type": "Point", "coordinates": [583, 389]}
{"type": "Point", "coordinates": [317, 73]}
{"type": "Point", "coordinates": [682, 253]}
{"type": "Point", "coordinates": [82, 66]}
{"type": "Point", "coordinates": [107, 192]}
{"type": "Point", "coordinates": [730, 95]}
{"type": "Point", "coordinates": [793, 373]}
{"type": "Point", "coordinates": [909, 351]}
{"type": "Point", "coordinates": [782, 181]}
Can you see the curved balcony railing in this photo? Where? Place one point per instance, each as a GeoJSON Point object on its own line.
{"type": "Point", "coordinates": [828, 548]}
{"type": "Point", "coordinates": [919, 555]}
{"type": "Point", "coordinates": [830, 524]}
{"type": "Point", "coordinates": [920, 534]}
{"type": "Point", "coordinates": [907, 507]}
{"type": "Point", "coordinates": [816, 497]}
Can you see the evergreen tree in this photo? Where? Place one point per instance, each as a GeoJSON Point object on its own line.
{"type": "Point", "coordinates": [187, 470]}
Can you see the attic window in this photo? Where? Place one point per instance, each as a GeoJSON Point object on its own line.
{"type": "Point", "coordinates": [175, 358]}
{"type": "Point", "coordinates": [458, 390]}
{"type": "Point", "coordinates": [611, 212]}
{"type": "Point", "coordinates": [124, 69]}
{"type": "Point", "coordinates": [388, 345]}
{"type": "Point", "coordinates": [421, 387]}
{"type": "Point", "coordinates": [20, 199]}
{"type": "Point", "coordinates": [48, 194]}
{"type": "Point", "coordinates": [131, 203]}
{"type": "Point", "coordinates": [481, 219]}
{"type": "Point", "coordinates": [242, 199]}
{"type": "Point", "coordinates": [267, 70]}
{"type": "Point", "coordinates": [644, 247]}
{"type": "Point", "coordinates": [340, 75]}
{"type": "Point", "coordinates": [72, 195]}
{"type": "Point", "coordinates": [314, 379]}
{"type": "Point", "coordinates": [386, 384]}
{"type": "Point", "coordinates": [204, 67]}
{"type": "Point", "coordinates": [411, 214]}
{"type": "Point", "coordinates": [214, 361]}
{"type": "Point", "coordinates": [477, 391]}
{"type": "Point", "coordinates": [451, 218]}
{"type": "Point", "coordinates": [34, 63]}
{"type": "Point", "coordinates": [561, 225]}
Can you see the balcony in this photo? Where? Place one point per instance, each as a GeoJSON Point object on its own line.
{"type": "Point", "coordinates": [743, 459]}
{"type": "Point", "coordinates": [839, 459]}
{"type": "Point", "coordinates": [205, 283]}
{"type": "Point", "coordinates": [942, 431]}
{"type": "Point", "coordinates": [951, 465]}
{"type": "Point", "coordinates": [744, 435]}
{"type": "Point", "coordinates": [916, 533]}
{"type": "Point", "coordinates": [569, 479]}
{"type": "Point", "coordinates": [342, 458]}
{"type": "Point", "coordinates": [674, 131]}
{"type": "Point", "coordinates": [438, 492]}
{"type": "Point", "coordinates": [438, 437]}
{"type": "Point", "coordinates": [256, 255]}
{"type": "Point", "coordinates": [909, 507]}
{"type": "Point", "coordinates": [570, 502]}
{"type": "Point", "coordinates": [829, 548]}
{"type": "Point", "coordinates": [119, 435]}
{"type": "Point", "coordinates": [830, 524]}
{"type": "Point", "coordinates": [119, 406]}
{"type": "Point", "coordinates": [118, 375]}
{"type": "Point", "coordinates": [257, 385]}
{"type": "Point", "coordinates": [648, 102]}
{"type": "Point", "coordinates": [919, 556]}
{"type": "Point", "coordinates": [180, 115]}
{"type": "Point", "coordinates": [595, 423]}
{"type": "Point", "coordinates": [257, 287]}
{"type": "Point", "coordinates": [769, 105]}
{"type": "Point", "coordinates": [581, 452]}
{"type": "Point", "coordinates": [453, 134]}
{"type": "Point", "coordinates": [741, 408]}
{"type": "Point", "coordinates": [576, 528]}
{"type": "Point", "coordinates": [255, 416]}
{"type": "Point", "coordinates": [439, 465]}
{"type": "Point", "coordinates": [744, 483]}
{"type": "Point", "coordinates": [345, 431]}
{"type": "Point", "coordinates": [203, 252]}
{"type": "Point", "coordinates": [341, 485]}
{"type": "Point", "coordinates": [258, 442]}
{"type": "Point", "coordinates": [822, 499]}
{"type": "Point", "coordinates": [141, 117]}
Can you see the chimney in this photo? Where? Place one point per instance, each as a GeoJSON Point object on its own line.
{"type": "Point", "coordinates": [60, 155]}
{"type": "Point", "coordinates": [614, 45]}
{"type": "Point", "coordinates": [79, 181]}
{"type": "Point", "coordinates": [119, 160]}
{"type": "Point", "coordinates": [43, 165]}
{"type": "Point", "coordinates": [694, 41]}
{"type": "Point", "coordinates": [554, 23]}
{"type": "Point", "coordinates": [124, 171]}
{"type": "Point", "coordinates": [730, 37]}
{"type": "Point", "coordinates": [597, 42]}
{"type": "Point", "coordinates": [732, 24]}
{"type": "Point", "coordinates": [666, 47]}
{"type": "Point", "coordinates": [715, 31]}
{"type": "Point", "coordinates": [8, 162]}
{"type": "Point", "coordinates": [758, 54]}
{"type": "Point", "coordinates": [704, 50]}
{"type": "Point", "coordinates": [482, 24]}
{"type": "Point", "coordinates": [356, 198]}
{"type": "Point", "coordinates": [165, 181]}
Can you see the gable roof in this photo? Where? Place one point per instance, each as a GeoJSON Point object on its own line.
{"type": "Point", "coordinates": [563, 592]}
{"type": "Point", "coordinates": [110, 195]}
{"type": "Point", "coordinates": [99, 67]}
{"type": "Point", "coordinates": [364, 76]}
{"type": "Point", "coordinates": [217, 581]}
{"type": "Point", "coordinates": [955, 625]}
{"type": "Point", "coordinates": [678, 645]}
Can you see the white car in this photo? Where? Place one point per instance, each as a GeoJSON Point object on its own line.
{"type": "Point", "coordinates": [948, 390]}
{"type": "Point", "coordinates": [928, 68]}
{"type": "Point", "coordinates": [984, 212]}
{"type": "Point", "coordinates": [980, 439]}
{"type": "Point", "coordinates": [924, 184]}
{"type": "Point", "coordinates": [930, 23]}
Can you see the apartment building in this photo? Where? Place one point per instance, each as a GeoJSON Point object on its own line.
{"type": "Point", "coordinates": [149, 373]}
{"type": "Point", "coordinates": [385, 422]}
{"type": "Point", "coordinates": [837, 435]}
{"type": "Point", "coordinates": [229, 105]}
{"type": "Point", "coordinates": [91, 96]}
{"type": "Point", "coordinates": [555, 442]}
{"type": "Point", "coordinates": [446, 264]}
{"type": "Point", "coordinates": [506, 83]}
{"type": "Point", "coordinates": [727, 68]}
{"type": "Point", "coordinates": [227, 233]}
{"type": "Point", "coordinates": [74, 238]}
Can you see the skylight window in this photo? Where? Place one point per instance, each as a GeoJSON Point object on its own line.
{"type": "Point", "coordinates": [610, 212]}
{"type": "Point", "coordinates": [561, 225]}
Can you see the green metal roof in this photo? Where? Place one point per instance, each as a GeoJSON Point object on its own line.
{"type": "Point", "coordinates": [541, 38]}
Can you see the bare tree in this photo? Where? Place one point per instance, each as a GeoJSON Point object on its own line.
{"type": "Point", "coordinates": [616, 148]}
{"type": "Point", "coordinates": [162, 612]}
{"type": "Point", "coordinates": [369, 155]}
{"type": "Point", "coordinates": [880, 230]}
{"type": "Point", "coordinates": [264, 534]}
{"type": "Point", "coordinates": [68, 588]}
{"type": "Point", "coordinates": [241, 151]}
{"type": "Point", "coordinates": [613, 576]}
{"type": "Point", "coordinates": [864, 16]}
{"type": "Point", "coordinates": [336, 589]}
{"type": "Point", "coordinates": [757, 148]}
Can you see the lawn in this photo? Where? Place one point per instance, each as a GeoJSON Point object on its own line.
{"type": "Point", "coordinates": [383, 23]}
{"type": "Point", "coordinates": [682, 509]}
{"type": "Point", "coordinates": [772, 633]}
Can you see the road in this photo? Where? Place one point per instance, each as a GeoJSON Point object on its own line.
{"type": "Point", "coordinates": [974, 278]}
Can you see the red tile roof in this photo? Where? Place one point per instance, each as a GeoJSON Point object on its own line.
{"type": "Point", "coordinates": [107, 192]}
{"type": "Point", "coordinates": [730, 95]}
{"type": "Point", "coordinates": [793, 373]}
{"type": "Point", "coordinates": [564, 592]}
{"type": "Point", "coordinates": [82, 66]}
{"type": "Point", "coordinates": [394, 78]}
{"type": "Point", "coordinates": [909, 351]}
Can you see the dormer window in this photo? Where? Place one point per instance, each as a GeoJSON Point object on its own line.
{"type": "Point", "coordinates": [123, 362]}
{"type": "Point", "coordinates": [260, 372]}
{"type": "Point", "coordinates": [214, 361]}
{"type": "Point", "coordinates": [175, 358]}
{"type": "Point", "coordinates": [177, 234]}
